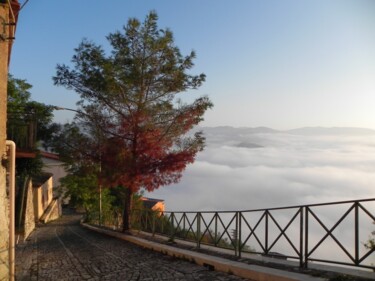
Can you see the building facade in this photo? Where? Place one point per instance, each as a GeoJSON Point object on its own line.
{"type": "Point", "coordinates": [8, 19]}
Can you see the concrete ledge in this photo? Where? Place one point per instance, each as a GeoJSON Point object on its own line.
{"type": "Point", "coordinates": [243, 270]}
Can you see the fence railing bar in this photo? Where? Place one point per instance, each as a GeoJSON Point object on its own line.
{"type": "Point", "coordinates": [366, 211]}
{"type": "Point", "coordinates": [179, 223]}
{"type": "Point", "coordinates": [191, 225]}
{"type": "Point", "coordinates": [207, 230]}
{"type": "Point", "coordinates": [226, 228]}
{"type": "Point", "coordinates": [356, 233]}
{"type": "Point", "coordinates": [239, 234]}
{"type": "Point", "coordinates": [266, 232]}
{"type": "Point", "coordinates": [301, 237]}
{"type": "Point", "coordinates": [252, 231]}
{"type": "Point", "coordinates": [366, 255]}
{"type": "Point", "coordinates": [329, 233]}
{"type": "Point", "coordinates": [239, 229]}
{"type": "Point", "coordinates": [282, 232]}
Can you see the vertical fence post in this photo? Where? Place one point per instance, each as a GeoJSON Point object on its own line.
{"type": "Point", "coordinates": [306, 236]}
{"type": "Point", "coordinates": [172, 223]}
{"type": "Point", "coordinates": [301, 237]}
{"type": "Point", "coordinates": [239, 216]}
{"type": "Point", "coordinates": [198, 230]}
{"type": "Point", "coordinates": [146, 220]}
{"type": "Point", "coordinates": [356, 232]}
{"type": "Point", "coordinates": [266, 233]}
{"type": "Point", "coordinates": [184, 226]}
{"type": "Point", "coordinates": [235, 235]}
{"type": "Point", "coordinates": [153, 223]}
{"type": "Point", "coordinates": [216, 214]}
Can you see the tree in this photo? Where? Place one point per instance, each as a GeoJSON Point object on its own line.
{"type": "Point", "coordinates": [370, 244]}
{"type": "Point", "coordinates": [28, 122]}
{"type": "Point", "coordinates": [132, 94]}
{"type": "Point", "coordinates": [81, 184]}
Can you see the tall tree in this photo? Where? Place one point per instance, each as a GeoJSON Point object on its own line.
{"type": "Point", "coordinates": [132, 94]}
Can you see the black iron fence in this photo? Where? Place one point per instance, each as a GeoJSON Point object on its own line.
{"type": "Point", "coordinates": [334, 232]}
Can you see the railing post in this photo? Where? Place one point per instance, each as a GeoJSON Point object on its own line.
{"type": "Point", "coordinates": [266, 233]}
{"type": "Point", "coordinates": [216, 214]}
{"type": "Point", "coordinates": [184, 225]}
{"type": "Point", "coordinates": [356, 234]}
{"type": "Point", "coordinates": [162, 224]}
{"type": "Point", "coordinates": [301, 237]}
{"type": "Point", "coordinates": [306, 237]}
{"type": "Point", "coordinates": [146, 220]}
{"type": "Point", "coordinates": [239, 215]}
{"type": "Point", "coordinates": [235, 235]}
{"type": "Point", "coordinates": [198, 230]}
{"type": "Point", "coordinates": [153, 223]}
{"type": "Point", "coordinates": [172, 230]}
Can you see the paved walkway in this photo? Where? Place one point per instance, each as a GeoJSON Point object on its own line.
{"type": "Point", "coordinates": [63, 250]}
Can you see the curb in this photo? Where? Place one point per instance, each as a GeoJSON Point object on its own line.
{"type": "Point", "coordinates": [243, 270]}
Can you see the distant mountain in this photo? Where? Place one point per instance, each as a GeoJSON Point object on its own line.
{"type": "Point", "coordinates": [249, 145]}
{"type": "Point", "coordinates": [334, 131]}
{"type": "Point", "coordinates": [305, 131]}
{"type": "Point", "coordinates": [237, 131]}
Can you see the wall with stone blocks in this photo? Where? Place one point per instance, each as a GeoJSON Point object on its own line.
{"type": "Point", "coordinates": [4, 220]}
{"type": "Point", "coordinates": [29, 224]}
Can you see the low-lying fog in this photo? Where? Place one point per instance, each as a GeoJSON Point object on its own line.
{"type": "Point", "coordinates": [245, 168]}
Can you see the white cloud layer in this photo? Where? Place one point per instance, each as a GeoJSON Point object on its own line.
{"type": "Point", "coordinates": [286, 170]}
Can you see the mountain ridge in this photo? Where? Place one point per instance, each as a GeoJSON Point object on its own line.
{"type": "Point", "coordinates": [306, 131]}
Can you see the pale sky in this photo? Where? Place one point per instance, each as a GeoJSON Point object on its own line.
{"type": "Point", "coordinates": [280, 64]}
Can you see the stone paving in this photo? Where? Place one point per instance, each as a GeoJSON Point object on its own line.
{"type": "Point", "coordinates": [63, 250]}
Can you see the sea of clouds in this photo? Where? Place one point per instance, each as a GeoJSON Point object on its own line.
{"type": "Point", "coordinates": [247, 169]}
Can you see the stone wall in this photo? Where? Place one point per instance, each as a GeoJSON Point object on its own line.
{"type": "Point", "coordinates": [29, 223]}
{"type": "Point", "coordinates": [55, 212]}
{"type": "Point", "coordinates": [42, 196]}
{"type": "Point", "coordinates": [4, 228]}
{"type": "Point", "coordinates": [4, 223]}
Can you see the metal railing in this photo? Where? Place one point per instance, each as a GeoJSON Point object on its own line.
{"type": "Point", "coordinates": [327, 233]}
{"type": "Point", "coordinates": [22, 130]}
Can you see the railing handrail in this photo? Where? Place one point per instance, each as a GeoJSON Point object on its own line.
{"type": "Point", "coordinates": [276, 208]}
{"type": "Point", "coordinates": [265, 231]}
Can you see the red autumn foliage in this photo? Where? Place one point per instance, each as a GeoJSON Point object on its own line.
{"type": "Point", "coordinates": [149, 161]}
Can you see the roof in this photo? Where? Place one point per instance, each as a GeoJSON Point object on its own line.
{"type": "Point", "coordinates": [152, 199]}
{"type": "Point", "coordinates": [13, 17]}
{"type": "Point", "coordinates": [24, 153]}
{"type": "Point", "coordinates": [49, 155]}
{"type": "Point", "coordinates": [150, 202]}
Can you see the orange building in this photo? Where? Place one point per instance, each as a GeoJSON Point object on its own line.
{"type": "Point", "coordinates": [153, 204]}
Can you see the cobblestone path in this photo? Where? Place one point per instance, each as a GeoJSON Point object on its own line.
{"type": "Point", "coordinates": [63, 250]}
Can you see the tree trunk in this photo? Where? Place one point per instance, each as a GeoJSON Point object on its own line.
{"type": "Point", "coordinates": [126, 225]}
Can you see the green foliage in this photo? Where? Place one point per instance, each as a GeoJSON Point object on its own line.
{"type": "Point", "coordinates": [78, 149]}
{"type": "Point", "coordinates": [28, 122]}
{"type": "Point", "coordinates": [370, 244]}
{"type": "Point", "coordinates": [25, 116]}
{"type": "Point", "coordinates": [83, 190]}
